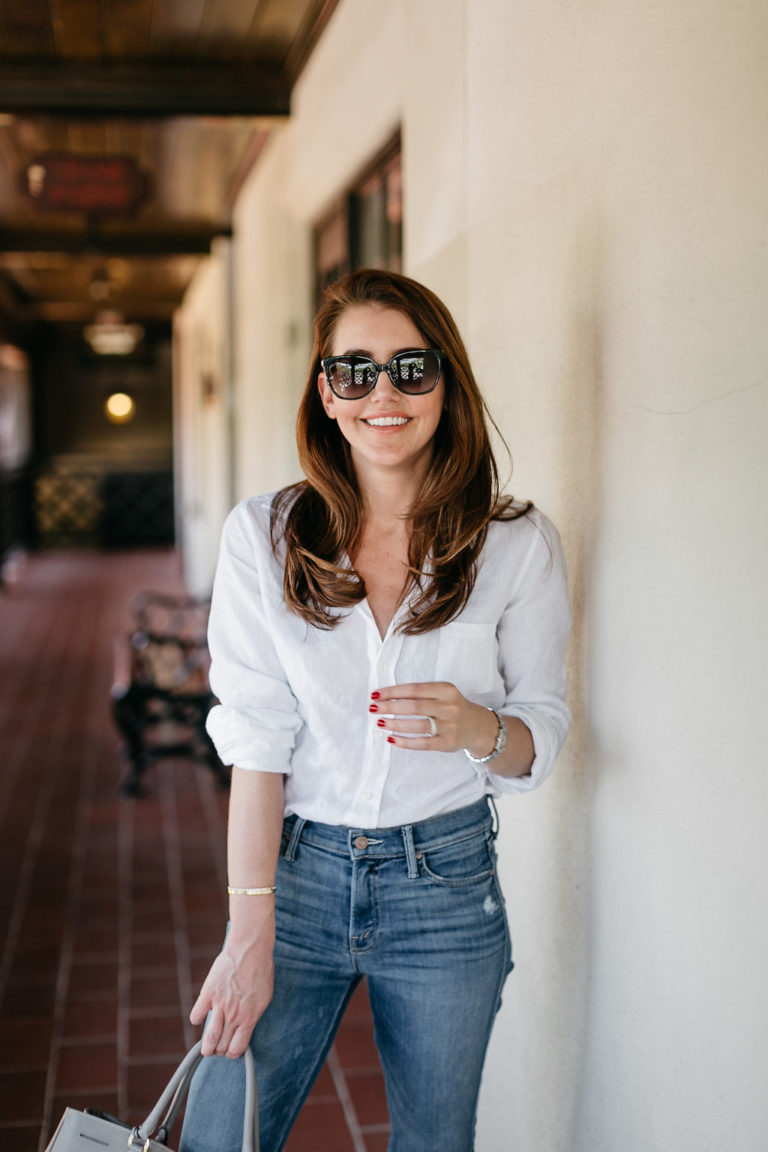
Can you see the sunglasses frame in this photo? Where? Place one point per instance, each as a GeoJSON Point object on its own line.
{"type": "Point", "coordinates": [329, 361]}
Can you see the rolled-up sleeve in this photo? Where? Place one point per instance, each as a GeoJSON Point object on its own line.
{"type": "Point", "coordinates": [255, 723]}
{"type": "Point", "coordinates": [532, 634]}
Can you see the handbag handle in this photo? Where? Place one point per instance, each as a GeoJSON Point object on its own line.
{"type": "Point", "coordinates": [165, 1111]}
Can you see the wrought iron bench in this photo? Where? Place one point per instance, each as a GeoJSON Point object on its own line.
{"type": "Point", "coordinates": [160, 691]}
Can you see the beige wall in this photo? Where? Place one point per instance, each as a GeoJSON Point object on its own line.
{"type": "Point", "coordinates": [587, 187]}
{"type": "Point", "coordinates": [203, 418]}
{"type": "Point", "coordinates": [618, 224]}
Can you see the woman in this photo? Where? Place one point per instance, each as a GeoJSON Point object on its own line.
{"type": "Point", "coordinates": [387, 644]}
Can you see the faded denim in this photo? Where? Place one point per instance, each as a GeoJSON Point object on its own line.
{"type": "Point", "coordinates": [418, 911]}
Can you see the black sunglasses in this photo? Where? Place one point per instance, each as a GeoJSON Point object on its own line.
{"type": "Point", "coordinates": [414, 372]}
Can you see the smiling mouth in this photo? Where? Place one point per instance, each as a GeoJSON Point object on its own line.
{"type": "Point", "coordinates": [387, 421]}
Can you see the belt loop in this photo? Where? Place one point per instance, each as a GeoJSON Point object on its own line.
{"type": "Point", "coordinates": [494, 818]}
{"type": "Point", "coordinates": [410, 851]}
{"type": "Point", "coordinates": [293, 843]}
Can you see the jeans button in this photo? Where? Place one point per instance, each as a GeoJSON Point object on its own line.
{"type": "Point", "coordinates": [361, 842]}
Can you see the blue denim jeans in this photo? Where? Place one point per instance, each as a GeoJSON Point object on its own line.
{"type": "Point", "coordinates": [418, 911]}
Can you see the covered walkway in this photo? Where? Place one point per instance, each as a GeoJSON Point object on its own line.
{"type": "Point", "coordinates": [111, 909]}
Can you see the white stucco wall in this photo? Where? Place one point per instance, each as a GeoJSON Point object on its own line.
{"type": "Point", "coordinates": [617, 262]}
{"type": "Point", "coordinates": [203, 425]}
{"type": "Point", "coordinates": [587, 187]}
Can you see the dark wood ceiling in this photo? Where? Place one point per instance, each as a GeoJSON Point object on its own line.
{"type": "Point", "coordinates": [179, 94]}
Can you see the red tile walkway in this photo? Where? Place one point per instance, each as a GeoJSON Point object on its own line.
{"type": "Point", "coordinates": [111, 909]}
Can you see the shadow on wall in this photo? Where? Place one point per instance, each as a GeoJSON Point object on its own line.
{"type": "Point", "coordinates": [581, 451]}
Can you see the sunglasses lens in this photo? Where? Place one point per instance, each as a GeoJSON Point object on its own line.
{"type": "Point", "coordinates": [416, 372]}
{"type": "Point", "coordinates": [352, 378]}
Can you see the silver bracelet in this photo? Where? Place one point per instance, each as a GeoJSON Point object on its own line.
{"type": "Point", "coordinates": [499, 746]}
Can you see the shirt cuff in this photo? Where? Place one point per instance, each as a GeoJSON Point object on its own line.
{"type": "Point", "coordinates": [249, 742]}
{"type": "Point", "coordinates": [548, 738]}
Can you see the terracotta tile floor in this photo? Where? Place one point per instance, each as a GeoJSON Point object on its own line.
{"type": "Point", "coordinates": [110, 908]}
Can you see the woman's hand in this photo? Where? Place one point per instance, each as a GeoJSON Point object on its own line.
{"type": "Point", "coordinates": [236, 992]}
{"type": "Point", "coordinates": [239, 985]}
{"type": "Point", "coordinates": [458, 723]}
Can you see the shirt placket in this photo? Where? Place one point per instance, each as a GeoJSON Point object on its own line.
{"type": "Point", "coordinates": [382, 657]}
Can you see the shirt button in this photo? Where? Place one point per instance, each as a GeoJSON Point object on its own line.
{"type": "Point", "coordinates": [361, 842]}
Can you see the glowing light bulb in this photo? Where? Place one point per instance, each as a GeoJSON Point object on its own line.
{"type": "Point", "coordinates": [120, 407]}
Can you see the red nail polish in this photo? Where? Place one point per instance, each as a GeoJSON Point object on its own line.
{"type": "Point", "coordinates": [390, 739]}
{"type": "Point", "coordinates": [375, 695]}
{"type": "Point", "coordinates": [373, 708]}
{"type": "Point", "coordinates": [381, 723]}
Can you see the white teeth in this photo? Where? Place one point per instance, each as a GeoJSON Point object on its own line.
{"type": "Point", "coordinates": [386, 421]}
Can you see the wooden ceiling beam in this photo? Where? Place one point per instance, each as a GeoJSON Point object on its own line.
{"type": "Point", "coordinates": [138, 243]}
{"type": "Point", "coordinates": [166, 88]}
{"type": "Point", "coordinates": [66, 312]}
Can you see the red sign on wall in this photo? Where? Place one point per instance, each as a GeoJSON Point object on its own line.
{"type": "Point", "coordinates": [102, 184]}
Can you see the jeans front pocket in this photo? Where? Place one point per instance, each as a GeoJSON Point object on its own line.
{"type": "Point", "coordinates": [459, 864]}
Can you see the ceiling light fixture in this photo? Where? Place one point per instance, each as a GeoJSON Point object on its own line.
{"type": "Point", "coordinates": [99, 286]}
{"type": "Point", "coordinates": [120, 408]}
{"type": "Point", "coordinates": [109, 335]}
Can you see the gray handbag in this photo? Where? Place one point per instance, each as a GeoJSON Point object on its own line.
{"type": "Point", "coordinates": [85, 1131]}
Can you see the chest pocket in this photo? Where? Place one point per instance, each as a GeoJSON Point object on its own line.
{"type": "Point", "coordinates": [466, 656]}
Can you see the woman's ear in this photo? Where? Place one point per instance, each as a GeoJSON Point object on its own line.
{"type": "Point", "coordinates": [326, 395]}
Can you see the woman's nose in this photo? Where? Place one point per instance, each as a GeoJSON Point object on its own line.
{"type": "Point", "coordinates": [384, 388]}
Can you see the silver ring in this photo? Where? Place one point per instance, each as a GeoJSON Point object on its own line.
{"type": "Point", "coordinates": [432, 727]}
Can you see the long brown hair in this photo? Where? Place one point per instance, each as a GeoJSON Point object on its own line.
{"type": "Point", "coordinates": [321, 519]}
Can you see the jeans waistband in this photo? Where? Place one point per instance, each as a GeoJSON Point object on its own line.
{"type": "Point", "coordinates": [389, 843]}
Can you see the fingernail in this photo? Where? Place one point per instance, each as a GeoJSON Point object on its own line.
{"type": "Point", "coordinates": [390, 739]}
{"type": "Point", "coordinates": [373, 708]}
{"type": "Point", "coordinates": [375, 695]}
{"type": "Point", "coordinates": [381, 722]}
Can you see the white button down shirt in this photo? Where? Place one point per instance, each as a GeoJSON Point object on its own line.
{"type": "Point", "coordinates": [295, 699]}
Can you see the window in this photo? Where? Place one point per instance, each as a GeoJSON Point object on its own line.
{"type": "Point", "coordinates": [364, 228]}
